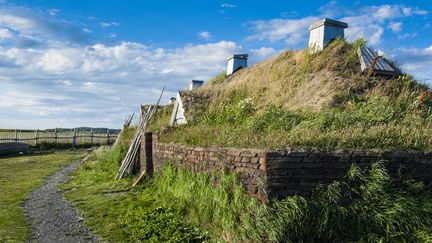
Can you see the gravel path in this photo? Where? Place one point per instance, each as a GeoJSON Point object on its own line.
{"type": "Point", "coordinates": [52, 218]}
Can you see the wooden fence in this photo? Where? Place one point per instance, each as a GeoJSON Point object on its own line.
{"type": "Point", "coordinates": [72, 137]}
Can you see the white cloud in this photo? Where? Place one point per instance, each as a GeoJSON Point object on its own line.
{"type": "Point", "coordinates": [257, 55]}
{"type": "Point", "coordinates": [395, 26]}
{"type": "Point", "coordinates": [366, 22]}
{"type": "Point", "coordinates": [291, 31]}
{"type": "Point", "coordinates": [5, 33]}
{"type": "Point", "coordinates": [17, 22]}
{"type": "Point", "coordinates": [228, 5]}
{"type": "Point", "coordinates": [53, 12]}
{"type": "Point", "coordinates": [67, 82]}
{"type": "Point", "coordinates": [106, 24]}
{"type": "Point", "coordinates": [87, 30]}
{"type": "Point", "coordinates": [65, 85]}
{"type": "Point", "coordinates": [386, 12]}
{"type": "Point", "coordinates": [205, 35]}
{"type": "Point", "coordinates": [32, 28]}
{"type": "Point", "coordinates": [407, 35]}
{"type": "Point", "coordinates": [416, 61]}
{"type": "Point", "coordinates": [363, 27]}
{"type": "Point", "coordinates": [59, 60]}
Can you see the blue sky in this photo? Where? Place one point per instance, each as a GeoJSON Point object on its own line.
{"type": "Point", "coordinates": [90, 63]}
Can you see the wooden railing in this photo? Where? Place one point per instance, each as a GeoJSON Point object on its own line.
{"type": "Point", "coordinates": [72, 137]}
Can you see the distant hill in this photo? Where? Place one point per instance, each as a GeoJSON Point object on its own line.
{"type": "Point", "coordinates": [298, 99]}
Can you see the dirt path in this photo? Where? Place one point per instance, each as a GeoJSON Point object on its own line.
{"type": "Point", "coordinates": [52, 218]}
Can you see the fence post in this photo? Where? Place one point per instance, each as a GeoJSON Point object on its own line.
{"type": "Point", "coordinates": [74, 138]}
{"type": "Point", "coordinates": [91, 136]}
{"type": "Point", "coordinates": [55, 135]}
{"type": "Point", "coordinates": [16, 135]}
{"type": "Point", "coordinates": [108, 137]}
{"type": "Point", "coordinates": [147, 143]}
{"type": "Point", "coordinates": [36, 137]}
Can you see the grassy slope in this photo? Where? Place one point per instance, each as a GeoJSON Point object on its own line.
{"type": "Point", "coordinates": [116, 211]}
{"type": "Point", "coordinates": [182, 206]}
{"type": "Point", "coordinates": [19, 176]}
{"type": "Point", "coordinates": [319, 101]}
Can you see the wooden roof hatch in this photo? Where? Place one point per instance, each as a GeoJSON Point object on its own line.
{"type": "Point", "coordinates": [370, 59]}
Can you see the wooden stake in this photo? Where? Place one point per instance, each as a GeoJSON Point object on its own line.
{"type": "Point", "coordinates": [139, 178]}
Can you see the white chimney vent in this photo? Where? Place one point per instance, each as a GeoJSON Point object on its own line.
{"type": "Point", "coordinates": [193, 84]}
{"type": "Point", "coordinates": [324, 31]}
{"type": "Point", "coordinates": [172, 100]}
{"type": "Point", "coordinates": [236, 62]}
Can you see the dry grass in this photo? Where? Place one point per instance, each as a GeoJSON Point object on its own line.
{"type": "Point", "coordinates": [293, 80]}
{"type": "Point", "coordinates": [321, 100]}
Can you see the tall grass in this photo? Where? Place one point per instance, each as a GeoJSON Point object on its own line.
{"type": "Point", "coordinates": [367, 206]}
{"type": "Point", "coordinates": [298, 99]}
{"type": "Point", "coordinates": [181, 205]}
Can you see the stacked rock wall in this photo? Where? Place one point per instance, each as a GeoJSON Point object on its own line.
{"type": "Point", "coordinates": [280, 173]}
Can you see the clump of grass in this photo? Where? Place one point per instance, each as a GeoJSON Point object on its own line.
{"type": "Point", "coordinates": [215, 200]}
{"type": "Point", "coordinates": [220, 78]}
{"type": "Point", "coordinates": [367, 206]}
{"type": "Point", "coordinates": [116, 211]}
{"type": "Point", "coordinates": [183, 205]}
{"type": "Point", "coordinates": [308, 100]}
{"type": "Point", "coordinates": [162, 119]}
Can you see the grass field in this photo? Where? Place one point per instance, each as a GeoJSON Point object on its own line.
{"type": "Point", "coordinates": [301, 100]}
{"type": "Point", "coordinates": [18, 176]}
{"type": "Point", "coordinates": [119, 213]}
{"type": "Point", "coordinates": [185, 206]}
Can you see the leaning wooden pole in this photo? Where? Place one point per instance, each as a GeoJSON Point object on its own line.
{"type": "Point", "coordinates": [132, 154]}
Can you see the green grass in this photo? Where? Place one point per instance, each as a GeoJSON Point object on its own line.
{"type": "Point", "coordinates": [220, 78]}
{"type": "Point", "coordinates": [18, 176]}
{"type": "Point", "coordinates": [119, 213]}
{"type": "Point", "coordinates": [179, 205]}
{"type": "Point", "coordinates": [311, 101]}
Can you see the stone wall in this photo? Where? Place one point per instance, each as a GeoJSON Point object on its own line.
{"type": "Point", "coordinates": [292, 172]}
{"type": "Point", "coordinates": [249, 163]}
{"type": "Point", "coordinates": [279, 173]}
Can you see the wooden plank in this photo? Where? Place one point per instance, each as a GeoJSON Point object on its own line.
{"type": "Point", "coordinates": [139, 178]}
{"type": "Point", "coordinates": [367, 57]}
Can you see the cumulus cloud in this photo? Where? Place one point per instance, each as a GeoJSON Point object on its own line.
{"type": "Point", "coordinates": [417, 61]}
{"type": "Point", "coordinates": [91, 82]}
{"type": "Point", "coordinates": [205, 35]}
{"type": "Point", "coordinates": [367, 22]}
{"type": "Point", "coordinates": [395, 26]}
{"type": "Point", "coordinates": [33, 27]}
{"type": "Point", "coordinates": [5, 33]}
{"type": "Point", "coordinates": [259, 54]}
{"type": "Point", "coordinates": [363, 27]}
{"type": "Point", "coordinates": [291, 31]}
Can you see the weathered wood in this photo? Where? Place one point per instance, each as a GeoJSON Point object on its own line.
{"type": "Point", "coordinates": [74, 138]}
{"type": "Point", "coordinates": [130, 159]}
{"type": "Point", "coordinates": [126, 125]}
{"type": "Point", "coordinates": [36, 137]}
{"type": "Point", "coordinates": [369, 60]}
{"type": "Point", "coordinates": [139, 178]}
